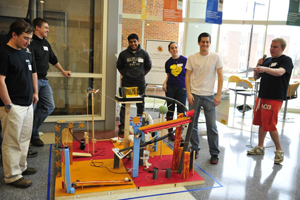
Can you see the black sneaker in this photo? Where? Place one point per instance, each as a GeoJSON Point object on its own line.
{"type": "Point", "coordinates": [29, 171]}
{"type": "Point", "coordinates": [21, 183]}
{"type": "Point", "coordinates": [214, 159]}
{"type": "Point", "coordinates": [37, 142]}
{"type": "Point", "coordinates": [31, 153]}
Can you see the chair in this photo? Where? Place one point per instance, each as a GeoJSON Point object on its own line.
{"type": "Point", "coordinates": [292, 93]}
{"type": "Point", "coordinates": [233, 79]}
{"type": "Point", "coordinates": [246, 85]}
{"type": "Point", "coordinates": [251, 79]}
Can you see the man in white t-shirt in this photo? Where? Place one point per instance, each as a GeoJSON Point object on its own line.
{"type": "Point", "coordinates": [201, 71]}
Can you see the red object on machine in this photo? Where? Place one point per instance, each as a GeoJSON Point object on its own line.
{"type": "Point", "coordinates": [165, 125]}
{"type": "Point", "coordinates": [190, 113]}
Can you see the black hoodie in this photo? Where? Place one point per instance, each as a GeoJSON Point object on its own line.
{"type": "Point", "coordinates": [133, 66]}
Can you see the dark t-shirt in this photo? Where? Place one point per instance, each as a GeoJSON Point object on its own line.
{"type": "Point", "coordinates": [16, 66]}
{"type": "Point", "coordinates": [176, 71]}
{"type": "Point", "coordinates": [43, 55]}
{"type": "Point", "coordinates": [275, 87]}
{"type": "Point", "coordinates": [4, 40]}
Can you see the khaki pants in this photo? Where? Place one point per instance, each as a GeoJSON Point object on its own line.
{"type": "Point", "coordinates": [16, 132]}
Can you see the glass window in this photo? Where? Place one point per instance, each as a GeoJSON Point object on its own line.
{"type": "Point", "coordinates": [245, 10]}
{"type": "Point", "coordinates": [279, 10]}
{"type": "Point", "coordinates": [291, 36]}
{"type": "Point", "coordinates": [197, 9]}
{"type": "Point", "coordinates": [234, 46]}
{"type": "Point", "coordinates": [70, 95]}
{"type": "Point", "coordinates": [76, 35]}
{"type": "Point", "coordinates": [194, 30]}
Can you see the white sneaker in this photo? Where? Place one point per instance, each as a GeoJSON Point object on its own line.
{"type": "Point", "coordinates": [257, 151]}
{"type": "Point", "coordinates": [279, 156]}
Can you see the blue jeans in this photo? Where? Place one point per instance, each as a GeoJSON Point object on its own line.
{"type": "Point", "coordinates": [43, 108]}
{"type": "Point", "coordinates": [178, 94]}
{"type": "Point", "coordinates": [210, 118]}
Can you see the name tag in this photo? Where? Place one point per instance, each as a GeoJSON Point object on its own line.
{"type": "Point", "coordinates": [273, 64]}
{"type": "Point", "coordinates": [180, 64]}
{"type": "Point", "coordinates": [141, 60]}
{"type": "Point", "coordinates": [45, 48]}
{"type": "Point", "coordinates": [29, 67]}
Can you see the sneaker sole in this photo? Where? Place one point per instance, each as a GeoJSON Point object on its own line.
{"type": "Point", "coordinates": [278, 162]}
{"type": "Point", "coordinates": [249, 153]}
{"type": "Point", "coordinates": [32, 154]}
{"type": "Point", "coordinates": [22, 186]}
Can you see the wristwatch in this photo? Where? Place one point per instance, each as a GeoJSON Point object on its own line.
{"type": "Point", "coordinates": [8, 106]}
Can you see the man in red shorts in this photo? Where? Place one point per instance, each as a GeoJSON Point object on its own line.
{"type": "Point", "coordinates": [275, 73]}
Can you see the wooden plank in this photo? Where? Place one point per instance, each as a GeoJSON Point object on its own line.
{"type": "Point", "coordinates": [101, 183]}
{"type": "Point", "coordinates": [82, 154]}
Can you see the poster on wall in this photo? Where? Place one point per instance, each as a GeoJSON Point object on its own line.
{"type": "Point", "coordinates": [214, 11]}
{"type": "Point", "coordinates": [159, 54]}
{"type": "Point", "coordinates": [294, 13]}
{"type": "Point", "coordinates": [172, 11]}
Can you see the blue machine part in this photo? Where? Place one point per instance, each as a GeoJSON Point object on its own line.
{"type": "Point", "coordinates": [67, 171]}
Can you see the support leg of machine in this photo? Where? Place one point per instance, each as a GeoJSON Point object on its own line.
{"type": "Point", "coordinates": [136, 157]}
{"type": "Point", "coordinates": [68, 173]}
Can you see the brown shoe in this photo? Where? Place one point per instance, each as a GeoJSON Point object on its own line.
{"type": "Point", "coordinates": [21, 183]}
{"type": "Point", "coordinates": [29, 171]}
{"type": "Point", "coordinates": [37, 142]}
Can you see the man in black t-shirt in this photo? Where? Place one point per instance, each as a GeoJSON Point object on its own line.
{"type": "Point", "coordinates": [16, 98]}
{"type": "Point", "coordinates": [275, 73]}
{"type": "Point", "coordinates": [43, 56]}
{"type": "Point", "coordinates": [4, 39]}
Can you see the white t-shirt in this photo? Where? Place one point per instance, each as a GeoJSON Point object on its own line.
{"type": "Point", "coordinates": [204, 70]}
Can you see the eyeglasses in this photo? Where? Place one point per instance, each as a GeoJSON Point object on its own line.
{"type": "Point", "coordinates": [28, 39]}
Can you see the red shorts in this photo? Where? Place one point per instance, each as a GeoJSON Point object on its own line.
{"type": "Point", "coordinates": [266, 113]}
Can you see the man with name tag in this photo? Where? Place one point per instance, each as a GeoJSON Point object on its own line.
{"type": "Point", "coordinates": [3, 41]}
{"type": "Point", "coordinates": [275, 73]}
{"type": "Point", "coordinates": [133, 64]}
{"type": "Point", "coordinates": [202, 69]}
{"type": "Point", "coordinates": [43, 56]}
{"type": "Point", "coordinates": [16, 98]}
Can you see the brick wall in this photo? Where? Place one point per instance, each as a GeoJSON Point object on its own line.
{"type": "Point", "coordinates": [154, 30]}
{"type": "Point", "coordinates": [154, 7]}
{"type": "Point", "coordinates": [130, 26]}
